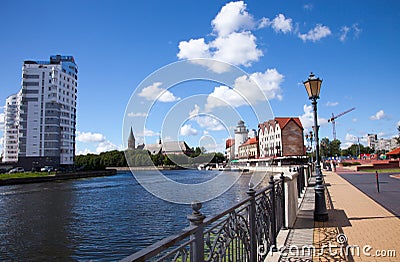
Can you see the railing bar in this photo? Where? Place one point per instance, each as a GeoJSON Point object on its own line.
{"type": "Point", "coordinates": [159, 246]}
{"type": "Point", "coordinates": [172, 252]}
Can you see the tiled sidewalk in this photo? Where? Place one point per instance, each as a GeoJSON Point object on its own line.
{"type": "Point", "coordinates": [372, 232]}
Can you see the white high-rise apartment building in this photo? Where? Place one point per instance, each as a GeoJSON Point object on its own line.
{"type": "Point", "coordinates": [10, 145]}
{"type": "Point", "coordinates": [47, 112]}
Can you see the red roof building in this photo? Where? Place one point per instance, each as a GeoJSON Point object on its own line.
{"type": "Point", "coordinates": [249, 149]}
{"type": "Point", "coordinates": [282, 136]}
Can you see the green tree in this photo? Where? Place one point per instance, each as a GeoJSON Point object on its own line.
{"type": "Point", "coordinates": [398, 137]}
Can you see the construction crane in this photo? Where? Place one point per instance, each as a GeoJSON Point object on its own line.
{"type": "Point", "coordinates": [332, 119]}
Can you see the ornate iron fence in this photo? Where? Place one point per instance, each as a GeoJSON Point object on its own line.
{"type": "Point", "coordinates": [245, 232]}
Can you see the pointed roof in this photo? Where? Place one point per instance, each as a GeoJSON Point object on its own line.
{"type": "Point", "coordinates": [283, 121]}
{"type": "Point", "coordinates": [229, 142]}
{"type": "Point", "coordinates": [131, 136]}
{"type": "Point", "coordinates": [250, 141]}
{"type": "Point", "coordinates": [394, 152]}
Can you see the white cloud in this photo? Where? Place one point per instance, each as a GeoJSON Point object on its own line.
{"type": "Point", "coordinates": [264, 22]}
{"type": "Point", "coordinates": [357, 30]}
{"type": "Point", "coordinates": [379, 115]}
{"type": "Point", "coordinates": [354, 120]}
{"type": "Point", "coordinates": [137, 114]}
{"type": "Point", "coordinates": [88, 137]}
{"type": "Point", "coordinates": [105, 146]}
{"type": "Point", "coordinates": [332, 103]}
{"type": "Point", "coordinates": [247, 90]}
{"type": "Point", "coordinates": [233, 44]}
{"type": "Point", "coordinates": [350, 138]}
{"type": "Point", "coordinates": [308, 7]}
{"type": "Point", "coordinates": [148, 132]}
{"type": "Point", "coordinates": [154, 92]}
{"type": "Point", "coordinates": [282, 24]}
{"type": "Point", "coordinates": [319, 32]}
{"type": "Point", "coordinates": [232, 18]}
{"type": "Point", "coordinates": [343, 33]}
{"type": "Point", "coordinates": [85, 152]}
{"type": "Point", "coordinates": [307, 119]}
{"type": "Point", "coordinates": [194, 48]}
{"type": "Point", "coordinates": [237, 49]}
{"type": "Point", "coordinates": [188, 130]}
{"type": "Point", "coordinates": [205, 121]}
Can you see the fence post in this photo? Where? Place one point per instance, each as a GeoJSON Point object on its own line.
{"type": "Point", "coordinates": [197, 246]}
{"type": "Point", "coordinates": [298, 183]}
{"type": "Point", "coordinates": [273, 215]}
{"type": "Point", "coordinates": [283, 201]}
{"type": "Point", "coordinates": [252, 223]}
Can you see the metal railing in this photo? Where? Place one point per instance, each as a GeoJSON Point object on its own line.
{"type": "Point", "coordinates": [245, 232]}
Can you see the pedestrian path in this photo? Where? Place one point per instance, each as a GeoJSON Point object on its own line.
{"type": "Point", "coordinates": [361, 229]}
{"type": "Point", "coordinates": [358, 229]}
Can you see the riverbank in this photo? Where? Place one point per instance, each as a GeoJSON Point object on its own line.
{"type": "Point", "coordinates": [57, 177]}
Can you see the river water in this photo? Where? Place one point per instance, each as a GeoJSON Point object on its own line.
{"type": "Point", "coordinates": [100, 219]}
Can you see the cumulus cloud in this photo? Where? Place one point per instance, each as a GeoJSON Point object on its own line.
{"type": "Point", "coordinates": [332, 103]}
{"type": "Point", "coordinates": [148, 132]}
{"type": "Point", "coordinates": [247, 90]}
{"type": "Point", "coordinates": [84, 152]}
{"type": "Point", "coordinates": [137, 114]}
{"type": "Point", "coordinates": [379, 115]}
{"type": "Point", "coordinates": [319, 32]}
{"type": "Point", "coordinates": [205, 121]}
{"type": "Point", "coordinates": [233, 43]}
{"type": "Point", "coordinates": [307, 119]}
{"type": "Point", "coordinates": [282, 24]}
{"type": "Point", "coordinates": [97, 140]}
{"type": "Point", "coordinates": [188, 130]}
{"type": "Point", "coordinates": [105, 146]}
{"type": "Point", "coordinates": [350, 138]}
{"type": "Point", "coordinates": [232, 18]}
{"type": "Point", "coordinates": [154, 92]}
{"type": "Point", "coordinates": [88, 137]}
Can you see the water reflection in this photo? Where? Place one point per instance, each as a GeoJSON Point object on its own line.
{"type": "Point", "coordinates": [104, 218]}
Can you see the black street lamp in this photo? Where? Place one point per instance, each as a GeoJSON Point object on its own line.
{"type": "Point", "coordinates": [313, 88]}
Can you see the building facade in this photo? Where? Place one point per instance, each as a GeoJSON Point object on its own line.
{"type": "Point", "coordinates": [46, 114]}
{"type": "Point", "coordinates": [249, 149]}
{"type": "Point", "coordinates": [10, 145]}
{"type": "Point", "coordinates": [241, 135]}
{"type": "Point", "coordinates": [282, 136]}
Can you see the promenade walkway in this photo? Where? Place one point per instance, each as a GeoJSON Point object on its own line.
{"type": "Point", "coordinates": [359, 229]}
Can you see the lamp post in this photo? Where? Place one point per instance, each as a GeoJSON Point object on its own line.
{"type": "Point", "coordinates": [313, 88]}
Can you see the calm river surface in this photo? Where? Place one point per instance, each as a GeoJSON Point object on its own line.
{"type": "Point", "coordinates": [103, 218]}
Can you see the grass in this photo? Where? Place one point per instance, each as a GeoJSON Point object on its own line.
{"type": "Point", "coordinates": [26, 175]}
{"type": "Point", "coordinates": [389, 170]}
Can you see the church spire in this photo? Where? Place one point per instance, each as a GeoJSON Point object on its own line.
{"type": "Point", "coordinates": [131, 140]}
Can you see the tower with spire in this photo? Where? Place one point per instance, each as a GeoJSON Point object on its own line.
{"type": "Point", "coordinates": [131, 140]}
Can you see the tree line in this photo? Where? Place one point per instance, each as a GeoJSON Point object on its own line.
{"type": "Point", "coordinates": [140, 158]}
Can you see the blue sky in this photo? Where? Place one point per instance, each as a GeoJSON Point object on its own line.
{"type": "Point", "coordinates": [352, 45]}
